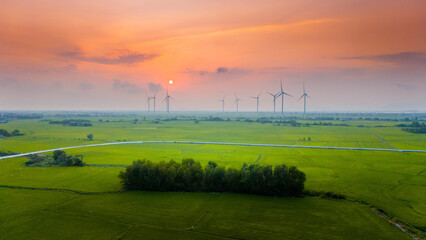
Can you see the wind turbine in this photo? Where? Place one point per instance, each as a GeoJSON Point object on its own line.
{"type": "Point", "coordinates": [282, 93]}
{"type": "Point", "coordinates": [236, 101]}
{"type": "Point", "coordinates": [257, 100]}
{"type": "Point", "coordinates": [223, 103]}
{"type": "Point", "coordinates": [167, 99]}
{"type": "Point", "coordinates": [153, 98]}
{"type": "Point", "coordinates": [275, 96]}
{"type": "Point", "coordinates": [148, 100]}
{"type": "Point", "coordinates": [304, 95]}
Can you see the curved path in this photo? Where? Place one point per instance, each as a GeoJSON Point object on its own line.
{"type": "Point", "coordinates": [217, 143]}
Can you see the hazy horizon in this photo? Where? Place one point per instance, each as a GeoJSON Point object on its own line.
{"type": "Point", "coordinates": [108, 56]}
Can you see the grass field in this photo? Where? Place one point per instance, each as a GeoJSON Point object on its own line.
{"type": "Point", "coordinates": [154, 215]}
{"type": "Point", "coordinates": [394, 182]}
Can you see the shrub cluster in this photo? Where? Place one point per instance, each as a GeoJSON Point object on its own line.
{"type": "Point", "coordinates": [321, 194]}
{"type": "Point", "coordinates": [5, 133]}
{"type": "Point", "coordinates": [60, 158]}
{"type": "Point", "coordinates": [73, 122]}
{"type": "Point", "coordinates": [191, 176]}
{"type": "Point", "coordinates": [2, 153]}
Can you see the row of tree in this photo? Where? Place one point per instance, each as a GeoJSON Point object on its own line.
{"type": "Point", "coordinates": [414, 127]}
{"type": "Point", "coordinates": [5, 133]}
{"type": "Point", "coordinates": [73, 122]}
{"type": "Point", "coordinates": [191, 176]}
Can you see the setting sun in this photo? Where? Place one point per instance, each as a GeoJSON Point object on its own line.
{"type": "Point", "coordinates": [170, 82]}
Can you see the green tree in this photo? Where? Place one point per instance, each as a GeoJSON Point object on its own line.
{"type": "Point", "coordinates": [214, 177]}
{"type": "Point", "coordinates": [59, 157]}
{"type": "Point", "coordinates": [90, 136]}
{"type": "Point", "coordinates": [232, 180]}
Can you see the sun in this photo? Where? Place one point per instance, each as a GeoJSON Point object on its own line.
{"type": "Point", "coordinates": [170, 82]}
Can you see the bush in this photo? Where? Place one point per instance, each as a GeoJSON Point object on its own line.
{"type": "Point", "coordinates": [190, 176]}
{"type": "Point", "coordinates": [5, 133]}
{"type": "Point", "coordinates": [62, 159]}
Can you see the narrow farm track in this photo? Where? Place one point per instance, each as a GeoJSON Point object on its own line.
{"type": "Point", "coordinates": [385, 142]}
{"type": "Point", "coordinates": [218, 143]}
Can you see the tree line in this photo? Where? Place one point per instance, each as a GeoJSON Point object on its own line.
{"type": "Point", "coordinates": [5, 133]}
{"type": "Point", "coordinates": [414, 127]}
{"type": "Point", "coordinates": [73, 122]}
{"type": "Point", "coordinates": [190, 176]}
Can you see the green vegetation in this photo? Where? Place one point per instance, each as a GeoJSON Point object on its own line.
{"type": "Point", "coordinates": [189, 176]}
{"type": "Point", "coordinates": [7, 153]}
{"type": "Point", "coordinates": [90, 136]}
{"type": "Point", "coordinates": [59, 158]}
{"type": "Point", "coordinates": [5, 133]}
{"type": "Point", "coordinates": [414, 127]}
{"type": "Point", "coordinates": [157, 215]}
{"type": "Point", "coordinates": [391, 181]}
{"type": "Point", "coordinates": [73, 122]}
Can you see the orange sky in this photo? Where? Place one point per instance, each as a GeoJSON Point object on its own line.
{"type": "Point", "coordinates": [108, 55]}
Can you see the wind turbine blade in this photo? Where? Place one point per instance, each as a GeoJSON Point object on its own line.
{"type": "Point", "coordinates": [282, 86]}
{"type": "Point", "coordinates": [260, 93]}
{"type": "Point", "coordinates": [300, 97]}
{"type": "Point", "coordinates": [308, 96]}
{"type": "Point", "coordinates": [287, 94]}
{"type": "Point", "coordinates": [273, 95]}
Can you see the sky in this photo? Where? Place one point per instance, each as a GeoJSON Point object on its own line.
{"type": "Point", "coordinates": [111, 54]}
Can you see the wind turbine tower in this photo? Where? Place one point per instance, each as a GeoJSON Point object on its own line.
{"type": "Point", "coordinates": [153, 98]}
{"type": "Point", "coordinates": [275, 96]}
{"type": "Point", "coordinates": [237, 100]}
{"type": "Point", "coordinates": [167, 99]}
{"type": "Point", "coordinates": [223, 103]}
{"type": "Point", "coordinates": [257, 101]}
{"type": "Point", "coordinates": [304, 95]}
{"type": "Point", "coordinates": [282, 93]}
{"type": "Point", "coordinates": [148, 101]}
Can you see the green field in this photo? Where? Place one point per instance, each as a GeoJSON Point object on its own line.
{"type": "Point", "coordinates": [392, 181]}
{"type": "Point", "coordinates": [153, 215]}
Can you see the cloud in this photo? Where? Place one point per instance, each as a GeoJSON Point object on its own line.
{"type": "Point", "coordinates": [119, 57]}
{"type": "Point", "coordinates": [9, 82]}
{"type": "Point", "coordinates": [70, 67]}
{"type": "Point", "coordinates": [153, 87]}
{"type": "Point", "coordinates": [125, 87]}
{"type": "Point", "coordinates": [85, 86]}
{"type": "Point", "coordinates": [221, 70]}
{"type": "Point", "coordinates": [196, 72]}
{"type": "Point", "coordinates": [403, 58]}
{"type": "Point", "coordinates": [57, 85]}
{"type": "Point", "coordinates": [406, 87]}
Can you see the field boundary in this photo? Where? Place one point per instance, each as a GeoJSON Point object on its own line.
{"type": "Point", "coordinates": [60, 190]}
{"type": "Point", "coordinates": [217, 143]}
